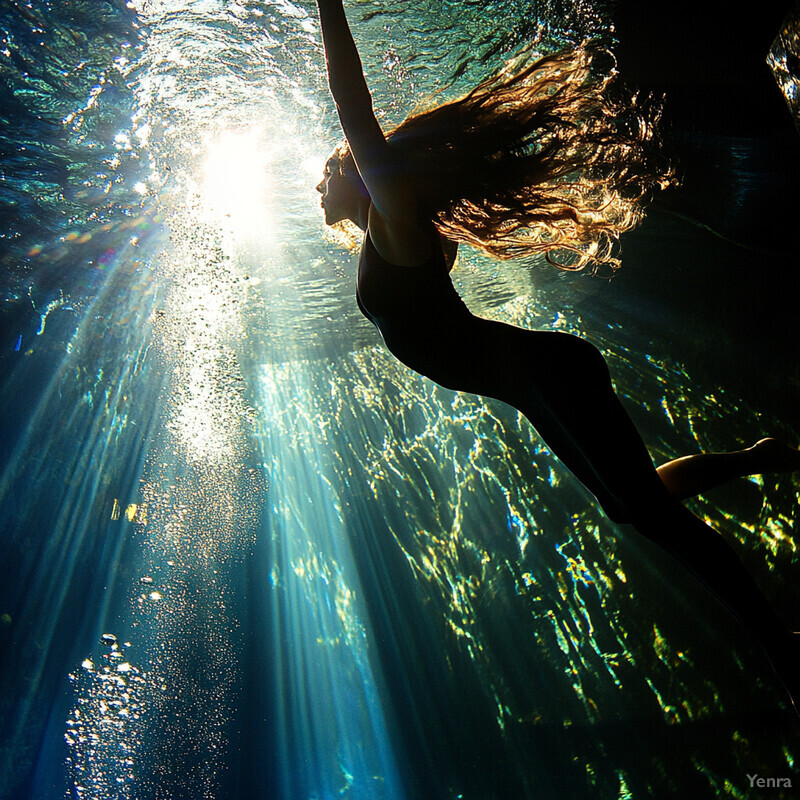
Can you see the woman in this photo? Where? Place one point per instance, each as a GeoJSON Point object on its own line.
{"type": "Point", "coordinates": [546, 159]}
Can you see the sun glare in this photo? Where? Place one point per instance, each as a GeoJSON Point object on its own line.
{"type": "Point", "coordinates": [236, 183]}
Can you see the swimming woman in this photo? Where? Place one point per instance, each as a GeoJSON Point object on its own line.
{"type": "Point", "coordinates": [550, 159]}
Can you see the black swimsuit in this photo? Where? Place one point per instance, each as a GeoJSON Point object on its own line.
{"type": "Point", "coordinates": [417, 311]}
{"type": "Point", "coordinates": [560, 382]}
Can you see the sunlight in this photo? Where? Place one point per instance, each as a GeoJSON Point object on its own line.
{"type": "Point", "coordinates": [236, 184]}
{"type": "Point", "coordinates": [207, 407]}
{"type": "Point", "coordinates": [335, 728]}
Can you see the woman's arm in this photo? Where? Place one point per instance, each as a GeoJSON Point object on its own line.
{"type": "Point", "coordinates": [347, 83]}
{"type": "Point", "coordinates": [377, 164]}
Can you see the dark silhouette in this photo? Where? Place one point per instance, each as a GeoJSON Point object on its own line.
{"type": "Point", "coordinates": [575, 169]}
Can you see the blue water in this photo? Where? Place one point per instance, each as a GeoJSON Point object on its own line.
{"type": "Point", "coordinates": [245, 552]}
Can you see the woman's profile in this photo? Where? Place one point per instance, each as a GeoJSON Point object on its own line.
{"type": "Point", "coordinates": [549, 158]}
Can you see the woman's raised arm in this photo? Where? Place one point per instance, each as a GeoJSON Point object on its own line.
{"type": "Point", "coordinates": [349, 88]}
{"type": "Point", "coordinates": [374, 157]}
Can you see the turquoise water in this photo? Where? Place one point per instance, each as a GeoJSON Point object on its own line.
{"type": "Point", "coordinates": [245, 552]}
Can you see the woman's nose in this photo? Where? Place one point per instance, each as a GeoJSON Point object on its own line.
{"type": "Point", "coordinates": [320, 187]}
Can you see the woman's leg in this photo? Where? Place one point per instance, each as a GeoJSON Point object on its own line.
{"type": "Point", "coordinates": [561, 383]}
{"type": "Point", "coordinates": [692, 475]}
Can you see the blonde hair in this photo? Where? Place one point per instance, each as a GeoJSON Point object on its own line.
{"type": "Point", "coordinates": [549, 157]}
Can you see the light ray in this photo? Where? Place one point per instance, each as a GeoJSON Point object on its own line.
{"type": "Point", "coordinates": [335, 736]}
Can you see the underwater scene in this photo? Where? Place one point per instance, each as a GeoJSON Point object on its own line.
{"type": "Point", "coordinates": [245, 552]}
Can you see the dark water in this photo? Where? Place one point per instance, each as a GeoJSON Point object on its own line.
{"type": "Point", "coordinates": [314, 573]}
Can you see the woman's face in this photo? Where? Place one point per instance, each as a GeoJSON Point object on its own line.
{"type": "Point", "coordinates": [339, 196]}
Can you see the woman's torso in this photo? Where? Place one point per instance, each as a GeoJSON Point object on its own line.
{"type": "Point", "coordinates": [426, 325]}
{"type": "Point", "coordinates": [416, 309]}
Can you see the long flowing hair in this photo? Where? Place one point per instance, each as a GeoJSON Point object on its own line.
{"type": "Point", "coordinates": [553, 157]}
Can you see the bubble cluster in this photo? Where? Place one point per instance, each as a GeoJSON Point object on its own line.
{"type": "Point", "coordinates": [105, 729]}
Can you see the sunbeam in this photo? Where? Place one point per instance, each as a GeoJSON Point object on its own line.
{"type": "Point", "coordinates": [236, 185]}
{"type": "Point", "coordinates": [334, 738]}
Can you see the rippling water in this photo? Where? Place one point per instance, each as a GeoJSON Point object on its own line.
{"type": "Point", "coordinates": [246, 553]}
